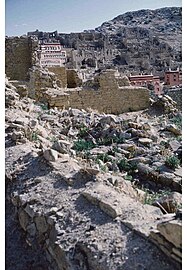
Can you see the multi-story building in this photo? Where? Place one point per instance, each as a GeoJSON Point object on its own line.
{"type": "Point", "coordinates": [173, 77]}
{"type": "Point", "coordinates": [52, 54]}
{"type": "Point", "coordinates": [149, 81]}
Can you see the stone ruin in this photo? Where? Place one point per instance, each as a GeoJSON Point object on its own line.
{"type": "Point", "coordinates": [63, 88]}
{"type": "Point", "coordinates": [79, 207]}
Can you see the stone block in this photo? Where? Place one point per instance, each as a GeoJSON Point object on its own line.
{"type": "Point", "coordinates": [23, 219]}
{"type": "Point", "coordinates": [31, 229]}
{"type": "Point", "coordinates": [41, 224]}
{"type": "Point", "coordinates": [172, 231]}
{"type": "Point", "coordinates": [50, 155]}
{"type": "Point", "coordinates": [29, 210]}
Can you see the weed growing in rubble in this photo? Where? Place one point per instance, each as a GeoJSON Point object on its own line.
{"type": "Point", "coordinates": [124, 165]}
{"type": "Point", "coordinates": [34, 136]}
{"type": "Point", "coordinates": [104, 157]}
{"type": "Point", "coordinates": [83, 145]}
{"type": "Point", "coordinates": [110, 140]}
{"type": "Point", "coordinates": [52, 139]}
{"type": "Point", "coordinates": [44, 107]}
{"type": "Point", "coordinates": [172, 162]}
{"type": "Point", "coordinates": [150, 198]}
{"type": "Point", "coordinates": [128, 177]}
{"type": "Point", "coordinates": [177, 120]}
{"type": "Point", "coordinates": [83, 131]}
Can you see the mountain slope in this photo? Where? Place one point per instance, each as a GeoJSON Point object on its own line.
{"type": "Point", "coordinates": [146, 40]}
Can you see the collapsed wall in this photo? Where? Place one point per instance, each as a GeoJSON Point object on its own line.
{"type": "Point", "coordinates": [108, 98]}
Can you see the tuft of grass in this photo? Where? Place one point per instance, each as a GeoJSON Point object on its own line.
{"type": "Point", "coordinates": [128, 177]}
{"type": "Point", "coordinates": [44, 107]}
{"type": "Point", "coordinates": [53, 139]}
{"type": "Point", "coordinates": [172, 162]}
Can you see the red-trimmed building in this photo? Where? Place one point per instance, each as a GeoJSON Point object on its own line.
{"type": "Point", "coordinates": [173, 77]}
{"type": "Point", "coordinates": [52, 54]}
{"type": "Point", "coordinates": [148, 81]}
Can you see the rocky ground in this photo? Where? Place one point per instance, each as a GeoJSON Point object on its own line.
{"type": "Point", "coordinates": [93, 191]}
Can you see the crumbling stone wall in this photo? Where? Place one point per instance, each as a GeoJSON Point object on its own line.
{"type": "Point", "coordinates": [40, 80]}
{"type": "Point", "coordinates": [61, 74]}
{"type": "Point", "coordinates": [109, 98]}
{"type": "Point", "coordinates": [18, 58]}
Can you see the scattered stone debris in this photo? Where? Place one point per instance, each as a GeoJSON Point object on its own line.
{"type": "Point", "coordinates": [90, 188]}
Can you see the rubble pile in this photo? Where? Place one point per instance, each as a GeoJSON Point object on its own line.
{"type": "Point", "coordinates": [92, 188]}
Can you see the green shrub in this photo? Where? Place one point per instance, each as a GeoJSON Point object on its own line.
{"type": "Point", "coordinates": [153, 196]}
{"type": "Point", "coordinates": [128, 177]}
{"type": "Point", "coordinates": [172, 162]}
{"type": "Point", "coordinates": [124, 165]}
{"type": "Point", "coordinates": [83, 145]}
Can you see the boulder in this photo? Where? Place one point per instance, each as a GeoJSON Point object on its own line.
{"type": "Point", "coordinates": [41, 224]}
{"type": "Point", "coordinates": [33, 123]}
{"type": "Point", "coordinates": [127, 147]}
{"type": "Point", "coordinates": [145, 141]}
{"type": "Point", "coordinates": [17, 135]}
{"type": "Point", "coordinates": [174, 144]}
{"type": "Point", "coordinates": [61, 146]}
{"type": "Point", "coordinates": [135, 125]}
{"type": "Point", "coordinates": [50, 155]}
{"type": "Point", "coordinates": [166, 178]}
{"type": "Point", "coordinates": [174, 129]}
{"type": "Point", "coordinates": [42, 131]}
{"type": "Point", "coordinates": [172, 231]}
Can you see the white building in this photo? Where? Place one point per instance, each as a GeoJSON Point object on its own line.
{"type": "Point", "coordinates": [52, 54]}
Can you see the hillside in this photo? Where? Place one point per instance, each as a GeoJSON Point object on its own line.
{"type": "Point", "coordinates": [146, 39]}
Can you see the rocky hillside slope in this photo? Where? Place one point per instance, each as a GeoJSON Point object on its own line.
{"type": "Point", "coordinates": [94, 191]}
{"type": "Point", "coordinates": [150, 40]}
{"type": "Point", "coordinates": [140, 41]}
{"type": "Point", "coordinates": [165, 23]}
